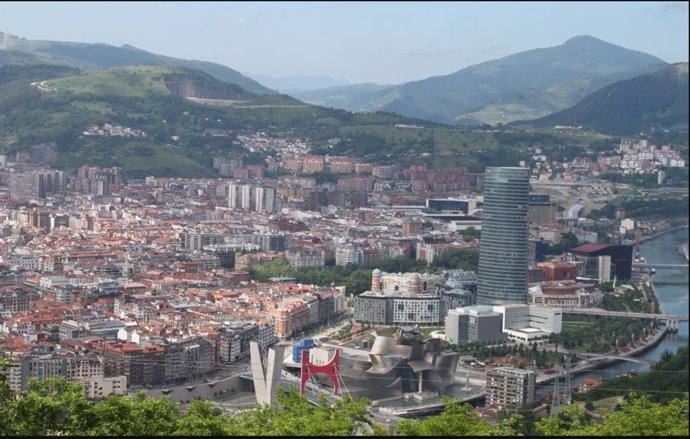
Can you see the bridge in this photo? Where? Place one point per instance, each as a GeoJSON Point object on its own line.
{"type": "Point", "coordinates": [616, 357]}
{"type": "Point", "coordinates": [663, 266]}
{"type": "Point", "coordinates": [631, 315]}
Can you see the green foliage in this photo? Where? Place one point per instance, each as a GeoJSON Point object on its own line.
{"type": "Point", "coordinates": [464, 259]}
{"type": "Point", "coordinates": [630, 301]}
{"type": "Point", "coordinates": [638, 417]}
{"type": "Point", "coordinates": [645, 208]}
{"type": "Point", "coordinates": [356, 281]}
{"type": "Point", "coordinates": [457, 419]}
{"type": "Point", "coordinates": [295, 416]}
{"type": "Point", "coordinates": [470, 234]}
{"type": "Point", "coordinates": [33, 72]}
{"type": "Point", "coordinates": [53, 405]}
{"type": "Point", "coordinates": [203, 419]}
{"type": "Point", "coordinates": [597, 333]}
{"type": "Point", "coordinates": [57, 407]}
{"type": "Point", "coordinates": [401, 265]}
{"type": "Point", "coordinates": [279, 267]}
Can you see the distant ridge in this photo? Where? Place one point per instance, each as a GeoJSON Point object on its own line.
{"type": "Point", "coordinates": [90, 56]}
{"type": "Point", "coordinates": [521, 86]}
{"type": "Point", "coordinates": [657, 100]}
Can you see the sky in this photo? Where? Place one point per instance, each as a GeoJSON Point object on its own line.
{"type": "Point", "coordinates": [380, 42]}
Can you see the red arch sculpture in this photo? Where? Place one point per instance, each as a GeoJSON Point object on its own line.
{"type": "Point", "coordinates": [330, 369]}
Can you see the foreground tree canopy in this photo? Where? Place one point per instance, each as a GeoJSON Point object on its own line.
{"type": "Point", "coordinates": [58, 407]}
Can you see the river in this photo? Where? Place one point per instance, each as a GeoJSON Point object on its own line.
{"type": "Point", "coordinates": [672, 291]}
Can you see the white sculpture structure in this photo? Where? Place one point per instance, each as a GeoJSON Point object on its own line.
{"type": "Point", "coordinates": [266, 382]}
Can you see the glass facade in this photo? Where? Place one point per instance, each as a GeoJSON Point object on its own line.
{"type": "Point", "coordinates": [503, 249]}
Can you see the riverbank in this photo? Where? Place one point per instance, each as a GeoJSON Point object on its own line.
{"type": "Point", "coordinates": [662, 232]}
{"type": "Point", "coordinates": [615, 357]}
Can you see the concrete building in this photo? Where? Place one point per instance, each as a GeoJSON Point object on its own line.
{"type": "Point", "coordinates": [102, 387]}
{"type": "Point", "coordinates": [305, 257]}
{"type": "Point", "coordinates": [236, 337]}
{"type": "Point", "coordinates": [401, 299]}
{"type": "Point", "coordinates": [510, 387]}
{"type": "Point", "coordinates": [36, 184]}
{"type": "Point", "coordinates": [526, 323]}
{"type": "Point", "coordinates": [252, 198]}
{"type": "Point", "coordinates": [503, 245]}
{"type": "Point", "coordinates": [541, 209]}
{"type": "Point", "coordinates": [474, 323]}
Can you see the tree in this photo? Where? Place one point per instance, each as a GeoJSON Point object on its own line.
{"type": "Point", "coordinates": [470, 234]}
{"type": "Point", "coordinates": [294, 415]}
{"type": "Point", "coordinates": [456, 420]}
{"type": "Point", "coordinates": [49, 407]}
{"type": "Point", "coordinates": [638, 416]}
{"type": "Point", "coordinates": [203, 419]}
{"type": "Point", "coordinates": [5, 397]}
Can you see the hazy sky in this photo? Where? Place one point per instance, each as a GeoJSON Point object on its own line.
{"type": "Point", "coordinates": [384, 42]}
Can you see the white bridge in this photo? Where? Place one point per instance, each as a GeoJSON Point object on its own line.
{"type": "Point", "coordinates": [595, 357]}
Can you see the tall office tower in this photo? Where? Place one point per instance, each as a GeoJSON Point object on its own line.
{"type": "Point", "coordinates": [502, 276]}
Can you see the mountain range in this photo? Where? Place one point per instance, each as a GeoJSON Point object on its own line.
{"type": "Point", "coordinates": [658, 100]}
{"type": "Point", "coordinates": [190, 115]}
{"type": "Point", "coordinates": [88, 56]}
{"type": "Point", "coordinates": [522, 86]}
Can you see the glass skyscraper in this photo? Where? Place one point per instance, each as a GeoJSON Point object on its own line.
{"type": "Point", "coordinates": [502, 277]}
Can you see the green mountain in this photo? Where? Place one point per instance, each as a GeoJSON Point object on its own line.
{"type": "Point", "coordinates": [14, 50]}
{"type": "Point", "coordinates": [522, 86]}
{"type": "Point", "coordinates": [184, 117]}
{"type": "Point", "coordinates": [657, 100]}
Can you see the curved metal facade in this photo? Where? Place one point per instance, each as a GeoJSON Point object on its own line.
{"type": "Point", "coordinates": [502, 276]}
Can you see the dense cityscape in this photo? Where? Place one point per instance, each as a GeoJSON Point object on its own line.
{"type": "Point", "coordinates": [218, 263]}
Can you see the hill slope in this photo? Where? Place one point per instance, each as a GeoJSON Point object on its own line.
{"type": "Point", "coordinates": [521, 86]}
{"type": "Point", "coordinates": [179, 119]}
{"type": "Point", "coordinates": [656, 100]}
{"type": "Point", "coordinates": [103, 56]}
